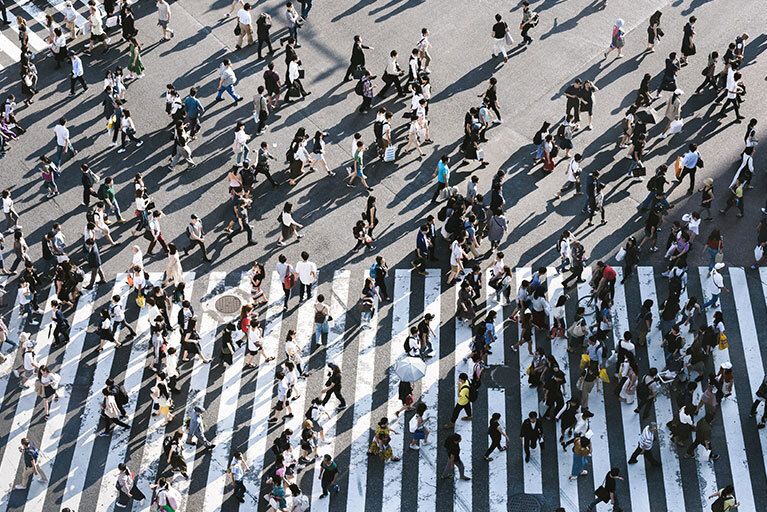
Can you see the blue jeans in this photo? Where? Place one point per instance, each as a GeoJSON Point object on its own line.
{"type": "Point", "coordinates": [711, 257]}
{"type": "Point", "coordinates": [561, 267]}
{"type": "Point", "coordinates": [646, 203]}
{"type": "Point", "coordinates": [579, 463]}
{"type": "Point", "coordinates": [243, 154]}
{"type": "Point", "coordinates": [230, 90]}
{"type": "Point", "coordinates": [114, 210]}
{"type": "Point", "coordinates": [60, 150]}
{"type": "Point", "coordinates": [306, 6]}
{"type": "Point", "coordinates": [504, 290]}
{"type": "Point", "coordinates": [293, 31]}
{"type": "Point", "coordinates": [319, 329]}
{"type": "Point", "coordinates": [713, 302]}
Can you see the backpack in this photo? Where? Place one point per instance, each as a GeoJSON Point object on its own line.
{"type": "Point", "coordinates": [718, 504]}
{"type": "Point", "coordinates": [308, 413]}
{"type": "Point", "coordinates": [121, 395]}
{"type": "Point", "coordinates": [290, 279]}
{"type": "Point", "coordinates": [47, 254]}
{"type": "Point", "coordinates": [643, 390]}
{"type": "Point", "coordinates": [561, 131]}
{"type": "Point", "coordinates": [378, 129]}
{"type": "Point", "coordinates": [538, 138]}
{"type": "Point", "coordinates": [90, 215]}
{"type": "Point", "coordinates": [167, 444]}
{"type": "Point", "coordinates": [373, 269]}
{"type": "Point", "coordinates": [442, 214]}
{"type": "Point", "coordinates": [33, 451]}
{"type": "Point", "coordinates": [359, 88]}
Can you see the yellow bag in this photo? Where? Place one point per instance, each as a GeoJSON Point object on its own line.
{"type": "Point", "coordinates": [140, 301]}
{"type": "Point", "coordinates": [529, 368]}
{"type": "Point", "coordinates": [678, 166]}
{"type": "Point", "coordinates": [603, 375]}
{"type": "Point", "coordinates": [723, 341]}
{"type": "Point", "coordinates": [585, 360]}
{"type": "Point", "coordinates": [112, 121]}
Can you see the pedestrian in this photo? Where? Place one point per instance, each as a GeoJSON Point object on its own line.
{"type": "Point", "coordinates": [333, 387]}
{"type": "Point", "coordinates": [581, 452]}
{"type": "Point", "coordinates": [126, 486]}
{"type": "Point", "coordinates": [165, 495]}
{"type": "Point", "coordinates": [260, 110]}
{"type": "Point", "coordinates": [196, 237]}
{"type": "Point", "coordinates": [97, 28]}
{"type": "Point", "coordinates": [453, 448]}
{"type": "Point", "coordinates": [464, 402]}
{"type": "Point", "coordinates": [715, 285]}
{"type": "Point", "coordinates": [359, 167]}
{"type": "Point", "coordinates": [597, 205]}
{"type": "Point", "coordinates": [226, 82]}
{"type": "Point", "coordinates": [77, 73]}
{"type": "Point", "coordinates": [263, 26]}
{"type": "Point", "coordinates": [529, 20]}
{"type": "Point", "coordinates": [366, 87]}
{"type": "Point", "coordinates": [357, 61]}
{"type": "Point", "coordinates": [725, 499]}
{"type": "Point", "coordinates": [654, 32]}
{"type": "Point", "coordinates": [110, 414]}
{"type": "Point", "coordinates": [194, 111]}
{"type": "Point", "coordinates": [495, 431]}
{"type": "Point", "coordinates": [328, 475]}
{"type": "Point", "coordinates": [587, 100]}
{"type": "Point", "coordinates": [499, 34]}
{"type": "Point", "coordinates": [293, 84]}
{"type": "Point", "coordinates": [63, 143]}
{"type": "Point", "coordinates": [442, 173]}
{"type": "Point", "coordinates": [244, 26]}
{"type": "Point", "coordinates": [645, 444]}
{"type": "Point", "coordinates": [673, 112]}
{"type": "Point", "coordinates": [294, 22]}
{"type": "Point", "coordinates": [709, 72]}
{"type": "Point", "coordinates": [31, 454]}
{"type": "Point", "coordinates": [128, 131]}
{"type": "Point", "coordinates": [531, 433]}
{"type": "Point", "coordinates": [688, 45]}
{"type": "Point", "coordinates": [163, 19]}
{"type": "Point", "coordinates": [135, 66]}
{"type": "Point", "coordinates": [618, 39]}
{"type": "Point", "coordinates": [196, 428]}
{"type": "Point", "coordinates": [606, 492]}
{"type": "Point", "coordinates": [735, 89]}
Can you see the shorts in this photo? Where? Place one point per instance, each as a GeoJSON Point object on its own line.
{"type": "Point", "coordinates": [419, 434]}
{"type": "Point", "coordinates": [361, 173]}
{"type": "Point", "coordinates": [455, 269]}
{"type": "Point", "coordinates": [29, 374]}
{"type": "Point", "coordinates": [96, 38]}
{"type": "Point", "coordinates": [272, 90]}
{"type": "Point", "coordinates": [163, 24]}
{"type": "Point", "coordinates": [652, 236]}
{"type": "Point", "coordinates": [253, 352]}
{"type": "Point", "coordinates": [256, 293]}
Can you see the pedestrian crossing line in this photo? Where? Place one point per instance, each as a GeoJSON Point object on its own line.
{"type": "Point", "coordinates": [25, 407]}
{"type": "Point", "coordinates": [37, 44]}
{"type": "Point", "coordinates": [118, 442]}
{"type": "Point", "coordinates": [54, 426]}
{"type": "Point", "coordinates": [496, 402]}
{"type": "Point", "coordinates": [498, 356]}
{"type": "Point", "coordinates": [736, 446]}
{"type": "Point", "coordinates": [262, 407]}
{"type": "Point", "coordinates": [362, 410]}
{"type": "Point", "coordinates": [600, 444]}
{"type": "Point", "coordinates": [14, 329]}
{"type": "Point", "coordinates": [156, 430]}
{"type": "Point", "coordinates": [672, 476]}
{"type": "Point", "coordinates": [749, 339]}
{"type": "Point", "coordinates": [427, 456]}
{"type": "Point", "coordinates": [528, 399]}
{"type": "Point", "coordinates": [392, 480]}
{"type": "Point", "coordinates": [198, 381]}
{"type": "Point", "coordinates": [568, 489]}
{"type": "Point", "coordinates": [9, 48]}
{"type": "Point", "coordinates": [339, 301]}
{"type": "Point", "coordinates": [217, 478]}
{"type": "Point", "coordinates": [462, 495]}
{"type": "Point", "coordinates": [498, 492]}
{"type": "Point", "coordinates": [637, 473]}
{"type": "Point", "coordinates": [91, 412]}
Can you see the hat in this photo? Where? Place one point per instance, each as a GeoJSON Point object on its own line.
{"type": "Point", "coordinates": [727, 365]}
{"type": "Point", "coordinates": [23, 338]}
{"type": "Point", "coordinates": [30, 344]}
{"type": "Point", "coordinates": [194, 216]}
{"type": "Point", "coordinates": [199, 409]}
{"type": "Point", "coordinates": [679, 92]}
{"type": "Point", "coordinates": [71, 53]}
{"type": "Point", "coordinates": [719, 266]}
{"type": "Point", "coordinates": [708, 182]}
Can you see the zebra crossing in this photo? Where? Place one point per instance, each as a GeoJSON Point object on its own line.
{"type": "Point", "coordinates": [82, 467]}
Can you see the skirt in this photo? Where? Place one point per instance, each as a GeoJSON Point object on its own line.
{"type": "Point", "coordinates": [48, 391]}
{"type": "Point", "coordinates": [287, 231]}
{"type": "Point", "coordinates": [296, 169]}
{"type": "Point", "coordinates": [548, 162]}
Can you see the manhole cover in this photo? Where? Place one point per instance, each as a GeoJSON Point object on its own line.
{"type": "Point", "coordinates": [524, 503]}
{"type": "Point", "coordinates": [228, 304]}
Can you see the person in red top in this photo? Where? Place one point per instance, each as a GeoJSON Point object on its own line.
{"type": "Point", "coordinates": [603, 280]}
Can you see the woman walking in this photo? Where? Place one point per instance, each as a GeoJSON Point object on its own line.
{"type": "Point", "coordinates": [714, 247]}
{"type": "Point", "coordinates": [581, 453]}
{"type": "Point", "coordinates": [495, 431]}
{"type": "Point", "coordinates": [370, 217]}
{"type": "Point", "coordinates": [587, 100]}
{"type": "Point", "coordinates": [127, 130]}
{"type": "Point", "coordinates": [191, 342]}
{"type": "Point", "coordinates": [49, 384]}
{"type": "Point", "coordinates": [173, 270]}
{"type": "Point", "coordinates": [418, 427]}
{"type": "Point", "coordinates": [498, 228]}
{"type": "Point", "coordinates": [654, 32]}
{"type": "Point", "coordinates": [135, 67]}
{"type": "Point", "coordinates": [707, 197]}
{"type": "Point", "coordinates": [48, 172]}
{"type": "Point", "coordinates": [318, 151]}
{"type": "Point", "coordinates": [688, 44]}
{"type": "Point", "coordinates": [126, 484]}
{"type": "Point", "coordinates": [618, 39]}
{"type": "Point", "coordinates": [289, 226]}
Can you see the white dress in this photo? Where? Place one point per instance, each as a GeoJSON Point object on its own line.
{"type": "Point", "coordinates": [173, 270]}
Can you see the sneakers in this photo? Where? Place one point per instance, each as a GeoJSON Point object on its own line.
{"type": "Point", "coordinates": [139, 143]}
{"type": "Point", "coordinates": [19, 487]}
{"type": "Point", "coordinates": [416, 447]}
{"type": "Point", "coordinates": [121, 150]}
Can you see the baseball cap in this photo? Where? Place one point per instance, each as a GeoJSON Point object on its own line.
{"type": "Point", "coordinates": [194, 216]}
{"type": "Point", "coordinates": [719, 266]}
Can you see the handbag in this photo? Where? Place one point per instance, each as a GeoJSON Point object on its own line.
{"type": "Point", "coordinates": [604, 376]}
{"type": "Point", "coordinates": [621, 254]}
{"type": "Point", "coordinates": [111, 21]}
{"type": "Point", "coordinates": [140, 301]}
{"type": "Point", "coordinates": [301, 73]}
{"type": "Point", "coordinates": [389, 154]}
{"type": "Point", "coordinates": [509, 39]}
{"type": "Point", "coordinates": [678, 167]}
{"type": "Point", "coordinates": [676, 126]}
{"type": "Point", "coordinates": [723, 344]}
{"type": "Point", "coordinates": [480, 154]}
{"type": "Point", "coordinates": [585, 360]}
{"type": "Point", "coordinates": [237, 29]}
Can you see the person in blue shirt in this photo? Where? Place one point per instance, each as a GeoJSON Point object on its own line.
{"type": "Point", "coordinates": [443, 176]}
{"type": "Point", "coordinates": [194, 110]}
{"type": "Point", "coordinates": [421, 249]}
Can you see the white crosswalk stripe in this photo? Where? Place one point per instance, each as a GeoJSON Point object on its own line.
{"type": "Point", "coordinates": [740, 460]}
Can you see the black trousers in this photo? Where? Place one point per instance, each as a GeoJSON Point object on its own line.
{"type": "Point", "coordinates": [366, 101]}
{"type": "Point", "coordinates": [351, 68]}
{"type": "Point", "coordinates": [573, 105]}
{"type": "Point", "coordinates": [691, 172]}
{"type": "Point", "coordinates": [526, 38]}
{"type": "Point", "coordinates": [245, 227]}
{"type": "Point", "coordinates": [440, 186]}
{"type": "Point", "coordinates": [530, 443]}
{"type": "Point", "coordinates": [337, 392]}
{"type": "Point", "coordinates": [122, 323]}
{"type": "Point", "coordinates": [87, 193]}
{"type": "Point", "coordinates": [735, 105]}
{"type": "Point", "coordinates": [201, 245]}
{"type": "Point", "coordinates": [390, 80]}
{"type": "Point", "coordinates": [647, 454]}
{"type": "Point", "coordinates": [287, 295]}
{"type": "Point", "coordinates": [261, 42]}
{"type": "Point", "coordinates": [73, 79]}
{"type": "Point", "coordinates": [60, 335]}
{"type": "Point", "coordinates": [96, 272]}
{"type": "Point", "coordinates": [304, 288]}
{"type": "Point", "coordinates": [419, 262]}
{"type": "Point", "coordinates": [495, 442]}
{"type": "Point", "coordinates": [755, 406]}
{"type": "Point", "coordinates": [262, 117]}
{"type": "Point", "coordinates": [109, 421]}
{"type": "Point", "coordinates": [457, 410]}
{"type": "Point", "coordinates": [269, 178]}
{"type": "Point", "coordinates": [575, 273]}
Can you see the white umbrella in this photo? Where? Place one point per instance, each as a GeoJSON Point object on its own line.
{"type": "Point", "coordinates": [410, 369]}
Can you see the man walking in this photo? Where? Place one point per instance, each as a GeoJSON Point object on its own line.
{"type": "Point", "coordinates": [702, 438]}
{"type": "Point", "coordinates": [237, 471]}
{"type": "Point", "coordinates": [63, 144]}
{"type": "Point", "coordinates": [606, 491]}
{"type": "Point", "coordinates": [527, 22]}
{"type": "Point", "coordinates": [31, 454]}
{"type": "Point", "coordinates": [464, 402]}
{"type": "Point", "coordinates": [154, 230]}
{"type": "Point", "coordinates": [307, 276]}
{"type": "Point", "coordinates": [245, 25]}
{"type": "Point", "coordinates": [453, 448]}
{"type": "Point", "coordinates": [226, 82]}
{"type": "Point", "coordinates": [260, 110]}
{"type": "Point", "coordinates": [530, 433]}
{"type": "Point", "coordinates": [715, 286]}
{"type": "Point", "coordinates": [573, 95]}
{"type": "Point", "coordinates": [294, 22]}
{"type": "Point", "coordinates": [644, 446]}
{"type": "Point", "coordinates": [194, 110]}
{"type": "Point", "coordinates": [391, 76]}
{"type": "Point", "coordinates": [690, 163]}
{"type": "Point", "coordinates": [94, 262]}
{"type": "Point", "coordinates": [761, 397]}
{"type": "Point", "coordinates": [117, 314]}
{"type": "Point", "coordinates": [442, 173]}
{"type": "Point", "coordinates": [196, 237]}
{"type": "Point", "coordinates": [196, 428]}
{"type": "Point", "coordinates": [163, 19]}
{"type": "Point", "coordinates": [358, 57]}
{"type": "Point", "coordinates": [61, 331]}
{"type": "Point", "coordinates": [77, 73]}
{"type": "Point", "coordinates": [86, 179]}
{"type": "Point", "coordinates": [421, 250]}
{"type": "Point", "coordinates": [263, 26]}
{"type": "Point", "coordinates": [499, 37]}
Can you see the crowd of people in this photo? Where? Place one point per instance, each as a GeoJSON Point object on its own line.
{"type": "Point", "coordinates": [459, 229]}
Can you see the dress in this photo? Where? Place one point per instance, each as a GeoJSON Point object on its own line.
{"type": "Point", "coordinates": [173, 270]}
{"type": "Point", "coordinates": [380, 445]}
{"type": "Point", "coordinates": [138, 67]}
{"type": "Point", "coordinates": [688, 46]}
{"type": "Point", "coordinates": [628, 391]}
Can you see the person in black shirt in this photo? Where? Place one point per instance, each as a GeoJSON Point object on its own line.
{"type": "Point", "coordinates": [652, 224]}
{"type": "Point", "coordinates": [499, 37]}
{"type": "Point", "coordinates": [333, 387]}
{"type": "Point", "coordinates": [530, 433]}
{"type": "Point", "coordinates": [424, 334]}
{"type": "Point", "coordinates": [453, 448]}
{"type": "Point", "coordinates": [573, 95]}
{"type": "Point", "coordinates": [358, 57]}
{"type": "Point", "coordinates": [606, 491]}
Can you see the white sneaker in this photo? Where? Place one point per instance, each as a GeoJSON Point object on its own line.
{"type": "Point", "coordinates": [139, 143]}
{"type": "Point", "coordinates": [19, 487]}
{"type": "Point", "coordinates": [112, 144]}
{"type": "Point", "coordinates": [34, 322]}
{"type": "Point", "coordinates": [498, 121]}
{"type": "Point", "coordinates": [416, 447]}
{"type": "Point", "coordinates": [121, 150]}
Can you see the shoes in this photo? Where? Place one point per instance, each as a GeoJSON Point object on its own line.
{"type": "Point", "coordinates": [449, 426]}
{"type": "Point", "coordinates": [121, 150]}
{"type": "Point", "coordinates": [139, 143]}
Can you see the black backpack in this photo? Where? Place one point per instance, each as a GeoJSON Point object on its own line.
{"type": "Point", "coordinates": [167, 445]}
{"type": "Point", "coordinates": [359, 88]}
{"type": "Point", "coordinates": [718, 504]}
{"type": "Point", "coordinates": [102, 192]}
{"type": "Point", "coordinates": [121, 395]}
{"type": "Point", "coordinates": [442, 214]}
{"type": "Point", "coordinates": [378, 129]}
{"type": "Point", "coordinates": [643, 390]}
{"type": "Point", "coordinates": [47, 254]}
{"type": "Point", "coordinates": [561, 131]}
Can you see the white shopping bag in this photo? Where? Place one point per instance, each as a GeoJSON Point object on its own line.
{"type": "Point", "coordinates": [87, 28]}
{"type": "Point", "coordinates": [676, 126]}
{"type": "Point", "coordinates": [389, 154]}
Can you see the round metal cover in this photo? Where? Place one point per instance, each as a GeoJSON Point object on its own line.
{"type": "Point", "coordinates": [228, 304]}
{"type": "Point", "coordinates": [524, 503]}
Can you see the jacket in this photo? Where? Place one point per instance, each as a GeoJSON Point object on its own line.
{"type": "Point", "coordinates": [528, 431]}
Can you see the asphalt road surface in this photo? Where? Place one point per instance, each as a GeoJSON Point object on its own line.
{"type": "Point", "coordinates": [569, 43]}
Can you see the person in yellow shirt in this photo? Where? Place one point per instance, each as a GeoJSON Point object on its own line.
{"type": "Point", "coordinates": [464, 401]}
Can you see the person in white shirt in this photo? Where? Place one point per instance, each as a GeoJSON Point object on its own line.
{"type": "Point", "coordinates": [423, 50]}
{"type": "Point", "coordinates": [690, 163]}
{"type": "Point", "coordinates": [573, 172]}
{"type": "Point", "coordinates": [11, 217]}
{"type": "Point", "coordinates": [226, 82]}
{"type": "Point", "coordinates": [240, 146]}
{"type": "Point", "coordinates": [747, 167]}
{"type": "Point", "coordinates": [391, 76]}
{"type": "Point", "coordinates": [714, 286]}
{"type": "Point", "coordinates": [63, 144]}
{"type": "Point", "coordinates": [97, 28]}
{"type": "Point", "coordinates": [245, 24]}
{"type": "Point", "coordinates": [70, 15]}
{"type": "Point", "coordinates": [163, 18]}
{"type": "Point", "coordinates": [307, 276]}
{"type": "Point", "coordinates": [733, 89]}
{"type": "Point", "coordinates": [456, 258]}
{"type": "Point", "coordinates": [127, 131]}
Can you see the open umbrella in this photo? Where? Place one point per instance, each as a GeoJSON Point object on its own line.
{"type": "Point", "coordinates": [410, 369]}
{"type": "Point", "coordinates": [649, 116]}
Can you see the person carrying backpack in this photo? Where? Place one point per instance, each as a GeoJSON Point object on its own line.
{"type": "Point", "coordinates": [725, 500]}
{"type": "Point", "coordinates": [31, 454]}
{"type": "Point", "coordinates": [464, 400]}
